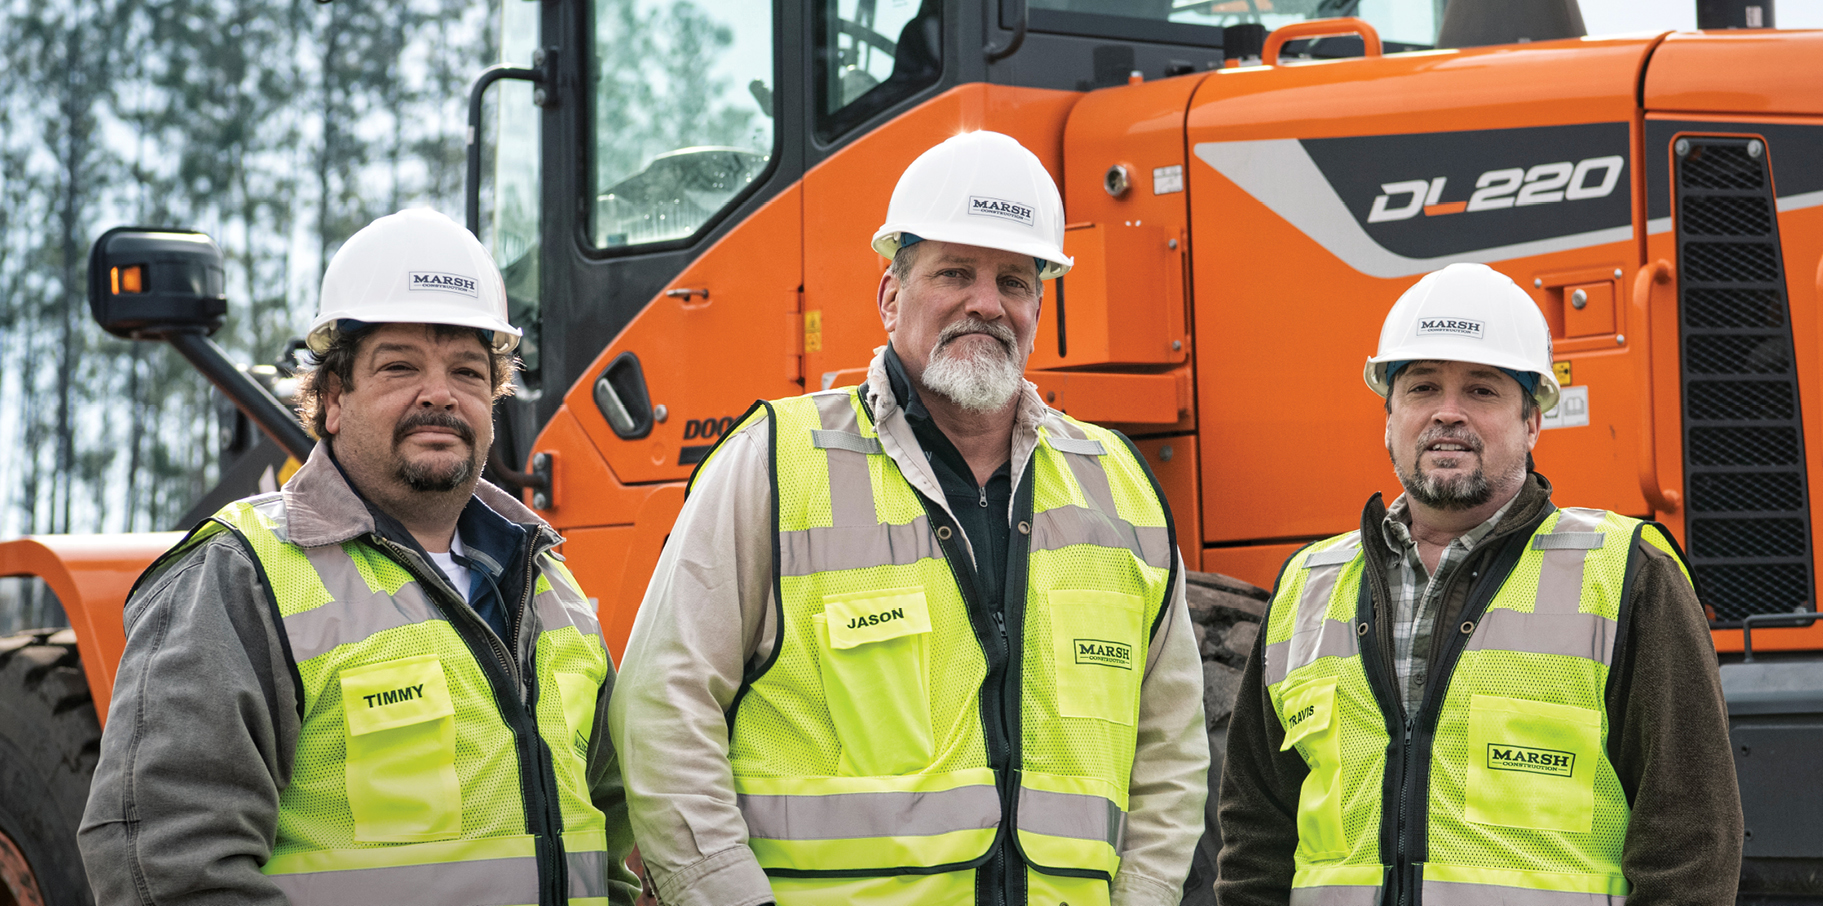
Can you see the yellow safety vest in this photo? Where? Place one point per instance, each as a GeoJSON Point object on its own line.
{"type": "Point", "coordinates": [1503, 791]}
{"type": "Point", "coordinates": [903, 734]}
{"type": "Point", "coordinates": [420, 776]}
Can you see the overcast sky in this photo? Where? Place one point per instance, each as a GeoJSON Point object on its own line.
{"type": "Point", "coordinates": [1607, 17]}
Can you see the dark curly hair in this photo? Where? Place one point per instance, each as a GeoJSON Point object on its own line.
{"type": "Point", "coordinates": [339, 359]}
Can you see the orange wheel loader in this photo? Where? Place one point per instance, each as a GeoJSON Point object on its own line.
{"type": "Point", "coordinates": [1249, 185]}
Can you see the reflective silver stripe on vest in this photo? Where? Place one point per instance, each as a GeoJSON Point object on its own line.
{"type": "Point", "coordinates": [848, 816]}
{"type": "Point", "coordinates": [851, 489]}
{"type": "Point", "coordinates": [1447, 893]}
{"type": "Point", "coordinates": [485, 882]}
{"type": "Point", "coordinates": [1314, 635]}
{"type": "Point", "coordinates": [272, 506]}
{"type": "Point", "coordinates": [1084, 446]}
{"type": "Point", "coordinates": [1060, 527]}
{"type": "Point", "coordinates": [355, 618]}
{"type": "Point", "coordinates": [842, 440]}
{"type": "Point", "coordinates": [588, 874]}
{"type": "Point", "coordinates": [561, 607]}
{"type": "Point", "coordinates": [814, 550]}
{"type": "Point", "coordinates": [1556, 624]}
{"type": "Point", "coordinates": [1338, 895]}
{"type": "Point", "coordinates": [1560, 580]}
{"type": "Point", "coordinates": [1072, 815]}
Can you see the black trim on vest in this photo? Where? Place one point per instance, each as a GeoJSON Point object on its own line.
{"type": "Point", "coordinates": [778, 597]}
{"type": "Point", "coordinates": [1164, 506]}
{"type": "Point", "coordinates": [272, 605]}
{"type": "Point", "coordinates": [543, 813]}
{"type": "Point", "coordinates": [1405, 792]}
{"type": "Point", "coordinates": [1623, 621]}
{"type": "Point", "coordinates": [710, 453]}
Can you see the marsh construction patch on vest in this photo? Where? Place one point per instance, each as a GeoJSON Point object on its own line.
{"type": "Point", "coordinates": [1533, 761]}
{"type": "Point", "coordinates": [1106, 654]}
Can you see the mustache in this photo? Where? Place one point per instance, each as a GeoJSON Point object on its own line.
{"type": "Point", "coordinates": [1453, 435]}
{"type": "Point", "coordinates": [972, 324]}
{"type": "Point", "coordinates": [432, 420]}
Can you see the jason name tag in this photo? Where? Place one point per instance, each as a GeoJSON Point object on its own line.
{"type": "Point", "coordinates": [875, 617]}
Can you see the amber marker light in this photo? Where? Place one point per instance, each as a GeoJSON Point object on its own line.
{"type": "Point", "coordinates": [130, 279]}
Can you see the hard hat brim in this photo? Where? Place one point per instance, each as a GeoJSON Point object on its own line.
{"type": "Point", "coordinates": [1374, 372]}
{"type": "Point", "coordinates": [322, 333]}
{"type": "Point", "coordinates": [886, 242]}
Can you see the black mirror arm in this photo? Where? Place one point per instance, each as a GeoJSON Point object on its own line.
{"type": "Point", "coordinates": [273, 417]}
{"type": "Point", "coordinates": [996, 51]}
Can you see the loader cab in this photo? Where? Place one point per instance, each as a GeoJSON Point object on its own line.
{"type": "Point", "coordinates": [670, 123]}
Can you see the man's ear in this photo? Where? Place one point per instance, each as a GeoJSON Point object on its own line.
{"type": "Point", "coordinates": [332, 404]}
{"type": "Point", "coordinates": [888, 299]}
{"type": "Point", "coordinates": [1533, 427]}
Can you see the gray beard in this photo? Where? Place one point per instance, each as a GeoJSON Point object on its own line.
{"type": "Point", "coordinates": [1464, 493]}
{"type": "Point", "coordinates": [982, 383]}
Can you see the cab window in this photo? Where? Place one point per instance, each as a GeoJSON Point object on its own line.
{"type": "Point", "coordinates": [871, 54]}
{"type": "Point", "coordinates": [683, 115]}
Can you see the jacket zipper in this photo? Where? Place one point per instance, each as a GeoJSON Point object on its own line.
{"type": "Point", "coordinates": [553, 876]}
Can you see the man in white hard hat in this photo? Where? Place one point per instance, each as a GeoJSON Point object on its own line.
{"type": "Point", "coordinates": [1479, 697]}
{"type": "Point", "coordinates": [922, 640]}
{"type": "Point", "coordinates": [379, 684]}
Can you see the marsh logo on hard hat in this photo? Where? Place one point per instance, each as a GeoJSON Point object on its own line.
{"type": "Point", "coordinates": [1457, 327]}
{"type": "Point", "coordinates": [431, 281]}
{"type": "Point", "coordinates": [1000, 207]}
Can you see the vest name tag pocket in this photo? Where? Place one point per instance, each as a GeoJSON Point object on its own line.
{"type": "Point", "coordinates": [875, 616]}
{"type": "Point", "coordinates": [395, 694]}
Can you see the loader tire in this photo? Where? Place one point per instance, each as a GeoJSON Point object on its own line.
{"type": "Point", "coordinates": [49, 741]}
{"type": "Point", "coordinates": [1225, 613]}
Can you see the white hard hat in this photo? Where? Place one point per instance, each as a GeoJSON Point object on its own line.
{"type": "Point", "coordinates": [1467, 313]}
{"type": "Point", "coordinates": [414, 267]}
{"type": "Point", "coordinates": [983, 189]}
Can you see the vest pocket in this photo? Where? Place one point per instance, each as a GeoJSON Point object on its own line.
{"type": "Point", "coordinates": [577, 693]}
{"type": "Point", "coordinates": [400, 768]}
{"type": "Point", "coordinates": [874, 659]}
{"type": "Point", "coordinates": [1097, 654]}
{"type": "Point", "coordinates": [1308, 711]}
{"type": "Point", "coordinates": [1532, 764]}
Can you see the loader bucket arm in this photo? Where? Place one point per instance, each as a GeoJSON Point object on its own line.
{"type": "Point", "coordinates": [91, 575]}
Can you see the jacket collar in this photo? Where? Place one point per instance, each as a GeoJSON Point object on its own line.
{"type": "Point", "coordinates": [1529, 507]}
{"type": "Point", "coordinates": [323, 508]}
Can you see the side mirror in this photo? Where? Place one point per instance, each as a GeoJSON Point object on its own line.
{"type": "Point", "coordinates": [146, 282]}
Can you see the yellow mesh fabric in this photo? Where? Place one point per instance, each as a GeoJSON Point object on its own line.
{"type": "Point", "coordinates": [1549, 678]}
{"type": "Point", "coordinates": [314, 811]}
{"type": "Point", "coordinates": [1535, 677]}
{"type": "Point", "coordinates": [783, 726]}
{"type": "Point", "coordinates": [567, 650]}
{"type": "Point", "coordinates": [806, 481]}
{"type": "Point", "coordinates": [1363, 738]}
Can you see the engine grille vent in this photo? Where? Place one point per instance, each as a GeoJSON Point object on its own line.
{"type": "Point", "coordinates": [1748, 516]}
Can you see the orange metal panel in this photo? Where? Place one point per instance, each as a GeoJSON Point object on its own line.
{"type": "Point", "coordinates": [1106, 398]}
{"type": "Point", "coordinates": [688, 346]}
{"type": "Point", "coordinates": [1737, 72]}
{"type": "Point", "coordinates": [845, 201]}
{"type": "Point", "coordinates": [1173, 461]}
{"type": "Point", "coordinates": [585, 492]}
{"type": "Point", "coordinates": [1286, 311]}
{"type": "Point", "coordinates": [1122, 302]}
{"type": "Point", "coordinates": [1256, 563]}
{"type": "Point", "coordinates": [91, 575]}
{"type": "Point", "coordinates": [598, 559]}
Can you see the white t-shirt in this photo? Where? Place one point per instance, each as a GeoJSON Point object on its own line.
{"type": "Point", "coordinates": [457, 573]}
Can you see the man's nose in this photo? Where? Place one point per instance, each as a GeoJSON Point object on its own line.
{"type": "Point", "coordinates": [984, 299]}
{"type": "Point", "coordinates": [437, 393]}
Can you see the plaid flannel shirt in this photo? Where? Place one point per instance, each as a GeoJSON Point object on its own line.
{"type": "Point", "coordinates": [1416, 596]}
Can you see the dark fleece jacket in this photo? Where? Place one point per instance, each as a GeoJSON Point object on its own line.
{"type": "Point", "coordinates": [1668, 738]}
